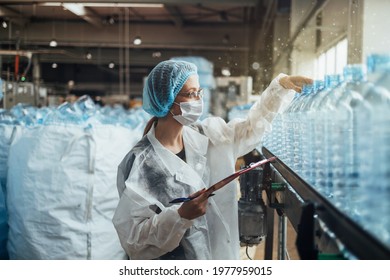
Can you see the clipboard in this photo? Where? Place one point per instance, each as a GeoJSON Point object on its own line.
{"type": "Point", "coordinates": [226, 180]}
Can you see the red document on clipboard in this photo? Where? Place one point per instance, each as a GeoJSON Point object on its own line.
{"type": "Point", "coordinates": [226, 180]}
{"type": "Point", "coordinates": [230, 178]}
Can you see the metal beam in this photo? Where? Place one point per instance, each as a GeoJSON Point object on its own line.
{"type": "Point", "coordinates": [319, 5]}
{"type": "Point", "coordinates": [250, 3]}
{"type": "Point", "coordinates": [27, 54]}
{"type": "Point", "coordinates": [92, 18]}
{"type": "Point", "coordinates": [174, 12]}
{"type": "Point", "coordinates": [84, 12]}
{"type": "Point", "coordinates": [355, 33]}
{"type": "Point", "coordinates": [12, 16]}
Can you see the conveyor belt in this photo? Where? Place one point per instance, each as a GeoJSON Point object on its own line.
{"type": "Point", "coordinates": [299, 194]}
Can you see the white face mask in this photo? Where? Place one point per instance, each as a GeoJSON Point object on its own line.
{"type": "Point", "coordinates": [190, 111]}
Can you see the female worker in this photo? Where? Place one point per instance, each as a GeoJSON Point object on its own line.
{"type": "Point", "coordinates": [179, 157]}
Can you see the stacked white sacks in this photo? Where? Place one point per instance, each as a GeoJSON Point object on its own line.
{"type": "Point", "coordinates": [61, 182]}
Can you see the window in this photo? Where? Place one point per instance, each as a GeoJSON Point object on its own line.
{"type": "Point", "coordinates": [333, 60]}
{"type": "Point", "coordinates": [341, 55]}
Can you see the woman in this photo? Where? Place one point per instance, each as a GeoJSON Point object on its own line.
{"type": "Point", "coordinates": [179, 157]}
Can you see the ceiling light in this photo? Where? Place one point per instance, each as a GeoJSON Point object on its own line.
{"type": "Point", "coordinates": [53, 43]}
{"type": "Point", "coordinates": [70, 84]}
{"type": "Point", "coordinates": [255, 65]}
{"type": "Point", "coordinates": [76, 8]}
{"type": "Point", "coordinates": [4, 24]}
{"type": "Point", "coordinates": [54, 65]}
{"type": "Point", "coordinates": [137, 40]}
{"type": "Point", "coordinates": [110, 20]}
{"type": "Point", "coordinates": [225, 71]}
{"type": "Point", "coordinates": [107, 5]}
{"type": "Point", "coordinates": [111, 65]}
{"type": "Point", "coordinates": [156, 54]}
{"type": "Point", "coordinates": [88, 56]}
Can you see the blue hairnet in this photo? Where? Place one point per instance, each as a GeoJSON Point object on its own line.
{"type": "Point", "coordinates": [163, 84]}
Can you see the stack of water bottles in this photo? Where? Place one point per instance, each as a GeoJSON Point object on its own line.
{"type": "Point", "coordinates": [58, 176]}
{"type": "Point", "coordinates": [336, 136]}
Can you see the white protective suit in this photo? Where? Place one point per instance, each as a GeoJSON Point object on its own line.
{"type": "Point", "coordinates": [150, 176]}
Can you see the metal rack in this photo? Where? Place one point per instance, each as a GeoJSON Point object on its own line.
{"type": "Point", "coordinates": [323, 231]}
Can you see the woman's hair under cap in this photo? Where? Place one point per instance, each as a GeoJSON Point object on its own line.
{"type": "Point", "coordinates": [163, 84]}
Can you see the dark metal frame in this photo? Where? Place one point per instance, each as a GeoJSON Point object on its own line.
{"type": "Point", "coordinates": [301, 202]}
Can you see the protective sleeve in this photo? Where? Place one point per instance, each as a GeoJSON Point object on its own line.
{"type": "Point", "coordinates": [143, 233]}
{"type": "Point", "coordinates": [246, 134]}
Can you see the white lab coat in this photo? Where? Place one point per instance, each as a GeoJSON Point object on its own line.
{"type": "Point", "coordinates": [150, 176]}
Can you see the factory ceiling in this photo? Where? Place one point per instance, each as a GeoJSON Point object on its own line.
{"type": "Point", "coordinates": [93, 42]}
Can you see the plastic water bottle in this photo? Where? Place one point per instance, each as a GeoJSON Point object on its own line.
{"type": "Point", "coordinates": [307, 127]}
{"type": "Point", "coordinates": [317, 114]}
{"type": "Point", "coordinates": [301, 162]}
{"type": "Point", "coordinates": [271, 137]}
{"type": "Point", "coordinates": [63, 114]}
{"type": "Point", "coordinates": [374, 150]}
{"type": "Point", "coordinates": [85, 107]}
{"type": "Point", "coordinates": [24, 113]}
{"type": "Point", "coordinates": [344, 131]}
{"type": "Point", "coordinates": [377, 66]}
{"type": "Point", "coordinates": [7, 118]}
{"type": "Point", "coordinates": [286, 154]}
{"type": "Point", "coordinates": [277, 128]}
{"type": "Point", "coordinates": [295, 121]}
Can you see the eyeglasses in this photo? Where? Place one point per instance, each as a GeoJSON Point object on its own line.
{"type": "Point", "coordinates": [192, 94]}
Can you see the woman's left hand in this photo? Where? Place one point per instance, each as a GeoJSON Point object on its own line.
{"type": "Point", "coordinates": [295, 82]}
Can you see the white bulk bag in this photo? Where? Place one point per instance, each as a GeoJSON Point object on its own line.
{"type": "Point", "coordinates": [3, 226]}
{"type": "Point", "coordinates": [62, 192]}
{"type": "Point", "coordinates": [7, 133]}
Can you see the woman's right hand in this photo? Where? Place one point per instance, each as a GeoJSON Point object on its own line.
{"type": "Point", "coordinates": [295, 82]}
{"type": "Point", "coordinates": [196, 207]}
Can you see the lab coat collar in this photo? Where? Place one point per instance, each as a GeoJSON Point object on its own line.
{"type": "Point", "coordinates": [195, 145]}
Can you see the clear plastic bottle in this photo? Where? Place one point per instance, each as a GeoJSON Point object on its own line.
{"type": "Point", "coordinates": [63, 114]}
{"type": "Point", "coordinates": [287, 136]}
{"type": "Point", "coordinates": [377, 68]}
{"type": "Point", "coordinates": [307, 134]}
{"type": "Point", "coordinates": [373, 145]}
{"type": "Point", "coordinates": [344, 134]}
{"type": "Point", "coordinates": [7, 118]}
{"type": "Point", "coordinates": [24, 113]}
{"type": "Point", "coordinates": [318, 116]}
{"type": "Point", "coordinates": [296, 129]}
{"type": "Point", "coordinates": [85, 107]}
{"type": "Point", "coordinates": [275, 139]}
{"type": "Point", "coordinates": [271, 137]}
{"type": "Point", "coordinates": [301, 138]}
